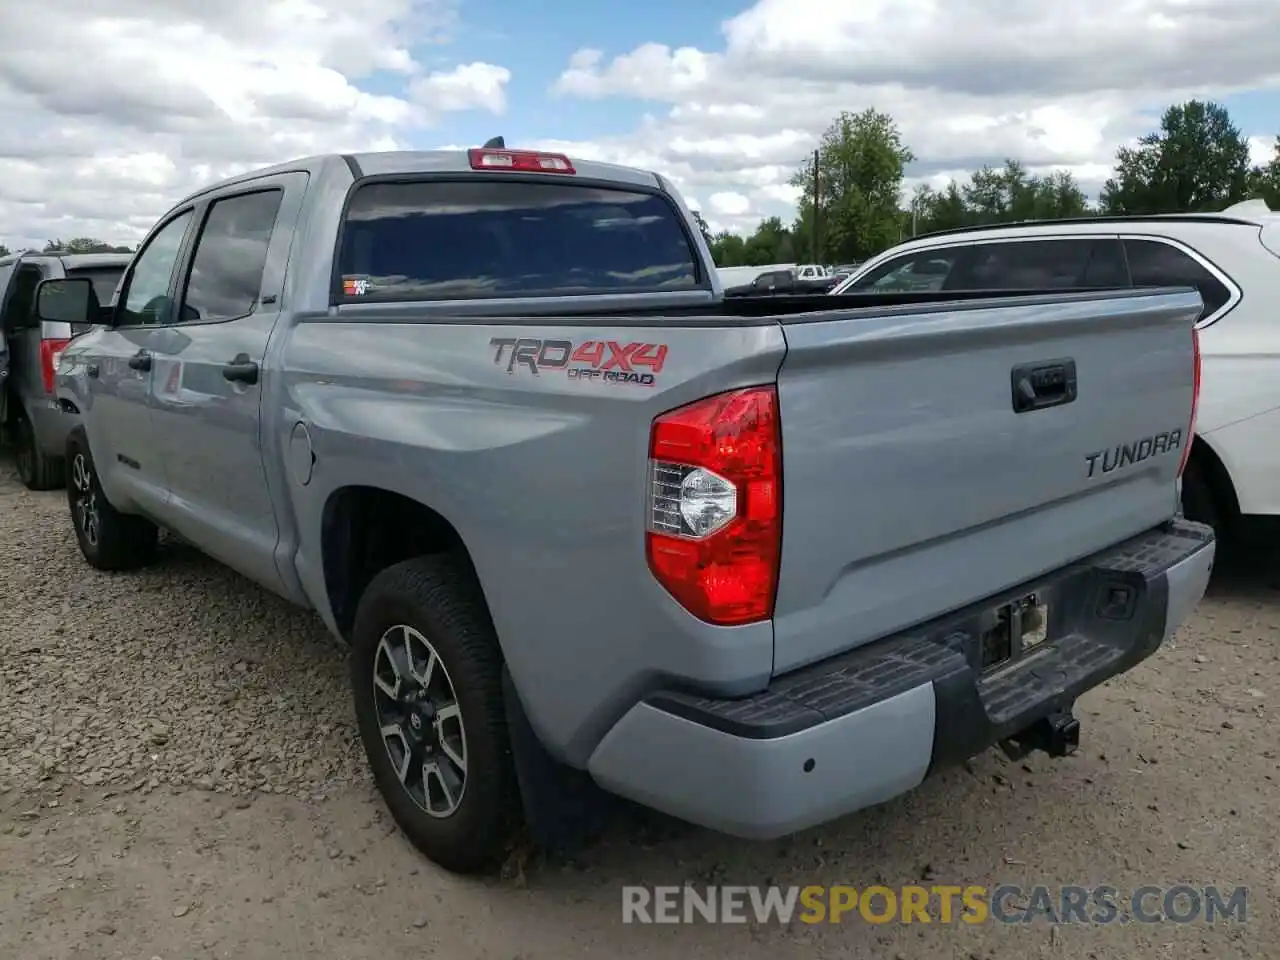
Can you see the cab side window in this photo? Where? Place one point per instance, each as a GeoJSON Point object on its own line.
{"type": "Point", "coordinates": [1156, 264]}
{"type": "Point", "coordinates": [144, 300]}
{"type": "Point", "coordinates": [1051, 264]}
{"type": "Point", "coordinates": [230, 257]}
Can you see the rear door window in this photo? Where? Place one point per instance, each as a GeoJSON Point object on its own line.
{"type": "Point", "coordinates": [230, 257]}
{"type": "Point", "coordinates": [482, 238]}
{"type": "Point", "coordinates": [1051, 264]}
{"type": "Point", "coordinates": [1156, 264]}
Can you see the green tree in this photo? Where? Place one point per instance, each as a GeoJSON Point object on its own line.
{"type": "Point", "coordinates": [1011, 194]}
{"type": "Point", "coordinates": [771, 243]}
{"type": "Point", "coordinates": [938, 209]}
{"type": "Point", "coordinates": [861, 164]}
{"type": "Point", "coordinates": [996, 196]}
{"type": "Point", "coordinates": [702, 225]}
{"type": "Point", "coordinates": [1264, 181]}
{"type": "Point", "coordinates": [728, 249]}
{"type": "Point", "coordinates": [84, 245]}
{"type": "Point", "coordinates": [4, 251]}
{"type": "Point", "coordinates": [1059, 196]}
{"type": "Point", "coordinates": [1197, 161]}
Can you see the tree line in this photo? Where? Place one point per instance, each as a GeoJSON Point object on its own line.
{"type": "Point", "coordinates": [1197, 161]}
{"type": "Point", "coordinates": [75, 245]}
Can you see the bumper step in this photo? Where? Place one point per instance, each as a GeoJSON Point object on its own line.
{"type": "Point", "coordinates": [1108, 613]}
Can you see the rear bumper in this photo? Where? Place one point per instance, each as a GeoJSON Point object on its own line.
{"type": "Point", "coordinates": [868, 725]}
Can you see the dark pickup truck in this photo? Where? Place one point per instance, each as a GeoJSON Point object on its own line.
{"type": "Point", "coordinates": [782, 283]}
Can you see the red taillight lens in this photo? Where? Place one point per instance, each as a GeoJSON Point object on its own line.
{"type": "Point", "coordinates": [715, 505]}
{"type": "Point", "coordinates": [527, 161]}
{"type": "Point", "coordinates": [50, 354]}
{"type": "Point", "coordinates": [1195, 399]}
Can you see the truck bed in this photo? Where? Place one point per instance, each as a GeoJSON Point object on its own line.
{"type": "Point", "coordinates": [911, 487]}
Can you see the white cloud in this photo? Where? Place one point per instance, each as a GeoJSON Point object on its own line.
{"type": "Point", "coordinates": [1262, 150]}
{"type": "Point", "coordinates": [969, 82]}
{"type": "Point", "coordinates": [469, 86]}
{"type": "Point", "coordinates": [109, 113]}
{"type": "Point", "coordinates": [652, 70]}
{"type": "Point", "coordinates": [727, 203]}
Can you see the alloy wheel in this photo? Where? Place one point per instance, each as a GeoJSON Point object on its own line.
{"type": "Point", "coordinates": [85, 504]}
{"type": "Point", "coordinates": [420, 721]}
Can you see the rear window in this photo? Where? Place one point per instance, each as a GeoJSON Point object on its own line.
{"type": "Point", "coordinates": [479, 238]}
{"type": "Point", "coordinates": [104, 280]}
{"type": "Point", "coordinates": [1156, 264]}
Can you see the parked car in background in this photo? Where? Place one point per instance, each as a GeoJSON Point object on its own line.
{"type": "Point", "coordinates": [488, 413]}
{"type": "Point", "coordinates": [742, 276]}
{"type": "Point", "coordinates": [30, 415]}
{"type": "Point", "coordinates": [780, 282]}
{"type": "Point", "coordinates": [1232, 258]}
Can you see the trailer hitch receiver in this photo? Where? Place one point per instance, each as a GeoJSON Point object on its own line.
{"type": "Point", "coordinates": [1058, 735]}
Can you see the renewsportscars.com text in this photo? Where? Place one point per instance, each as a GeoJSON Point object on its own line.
{"type": "Point", "coordinates": [1007, 903]}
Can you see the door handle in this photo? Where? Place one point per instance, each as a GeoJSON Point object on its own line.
{"type": "Point", "coordinates": [140, 361]}
{"type": "Point", "coordinates": [1049, 383]}
{"type": "Point", "coordinates": [241, 370]}
{"type": "Point", "coordinates": [91, 369]}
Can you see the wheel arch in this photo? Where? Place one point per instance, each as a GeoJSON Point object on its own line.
{"type": "Point", "coordinates": [364, 529]}
{"type": "Point", "coordinates": [1208, 464]}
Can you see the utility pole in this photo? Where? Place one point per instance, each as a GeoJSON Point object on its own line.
{"type": "Point", "coordinates": [817, 206]}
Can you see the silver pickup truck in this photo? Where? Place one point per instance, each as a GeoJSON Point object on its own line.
{"type": "Point", "coordinates": [755, 563]}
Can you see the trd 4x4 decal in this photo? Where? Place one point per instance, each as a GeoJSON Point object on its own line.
{"type": "Point", "coordinates": [606, 361]}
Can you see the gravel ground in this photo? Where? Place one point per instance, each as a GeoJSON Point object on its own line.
{"type": "Point", "coordinates": [180, 777]}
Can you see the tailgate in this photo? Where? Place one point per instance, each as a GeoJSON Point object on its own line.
{"type": "Point", "coordinates": [912, 487]}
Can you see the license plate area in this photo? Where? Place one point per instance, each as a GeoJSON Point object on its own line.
{"type": "Point", "coordinates": [1014, 631]}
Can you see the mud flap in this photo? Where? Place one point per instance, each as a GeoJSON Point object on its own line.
{"type": "Point", "coordinates": [563, 808]}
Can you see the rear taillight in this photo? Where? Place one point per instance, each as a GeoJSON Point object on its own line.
{"type": "Point", "coordinates": [50, 354]}
{"type": "Point", "coordinates": [1195, 399]}
{"type": "Point", "coordinates": [527, 161]}
{"type": "Point", "coordinates": [715, 505]}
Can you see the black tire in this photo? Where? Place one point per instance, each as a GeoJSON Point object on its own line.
{"type": "Point", "coordinates": [113, 540]}
{"type": "Point", "coordinates": [35, 470]}
{"type": "Point", "coordinates": [1200, 504]}
{"type": "Point", "coordinates": [439, 598]}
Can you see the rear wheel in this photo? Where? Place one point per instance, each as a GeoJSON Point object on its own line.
{"type": "Point", "coordinates": [109, 539]}
{"type": "Point", "coordinates": [426, 675]}
{"type": "Point", "coordinates": [1200, 502]}
{"type": "Point", "coordinates": [35, 470]}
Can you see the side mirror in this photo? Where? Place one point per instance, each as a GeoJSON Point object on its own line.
{"type": "Point", "coordinates": [70, 300]}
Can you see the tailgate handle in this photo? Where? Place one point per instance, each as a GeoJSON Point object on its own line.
{"type": "Point", "coordinates": [1048, 383]}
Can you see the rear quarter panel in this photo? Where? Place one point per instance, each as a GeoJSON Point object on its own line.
{"type": "Point", "coordinates": [1239, 416]}
{"type": "Point", "coordinates": [543, 476]}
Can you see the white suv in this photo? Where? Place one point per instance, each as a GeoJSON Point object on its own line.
{"type": "Point", "coordinates": [1232, 257]}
